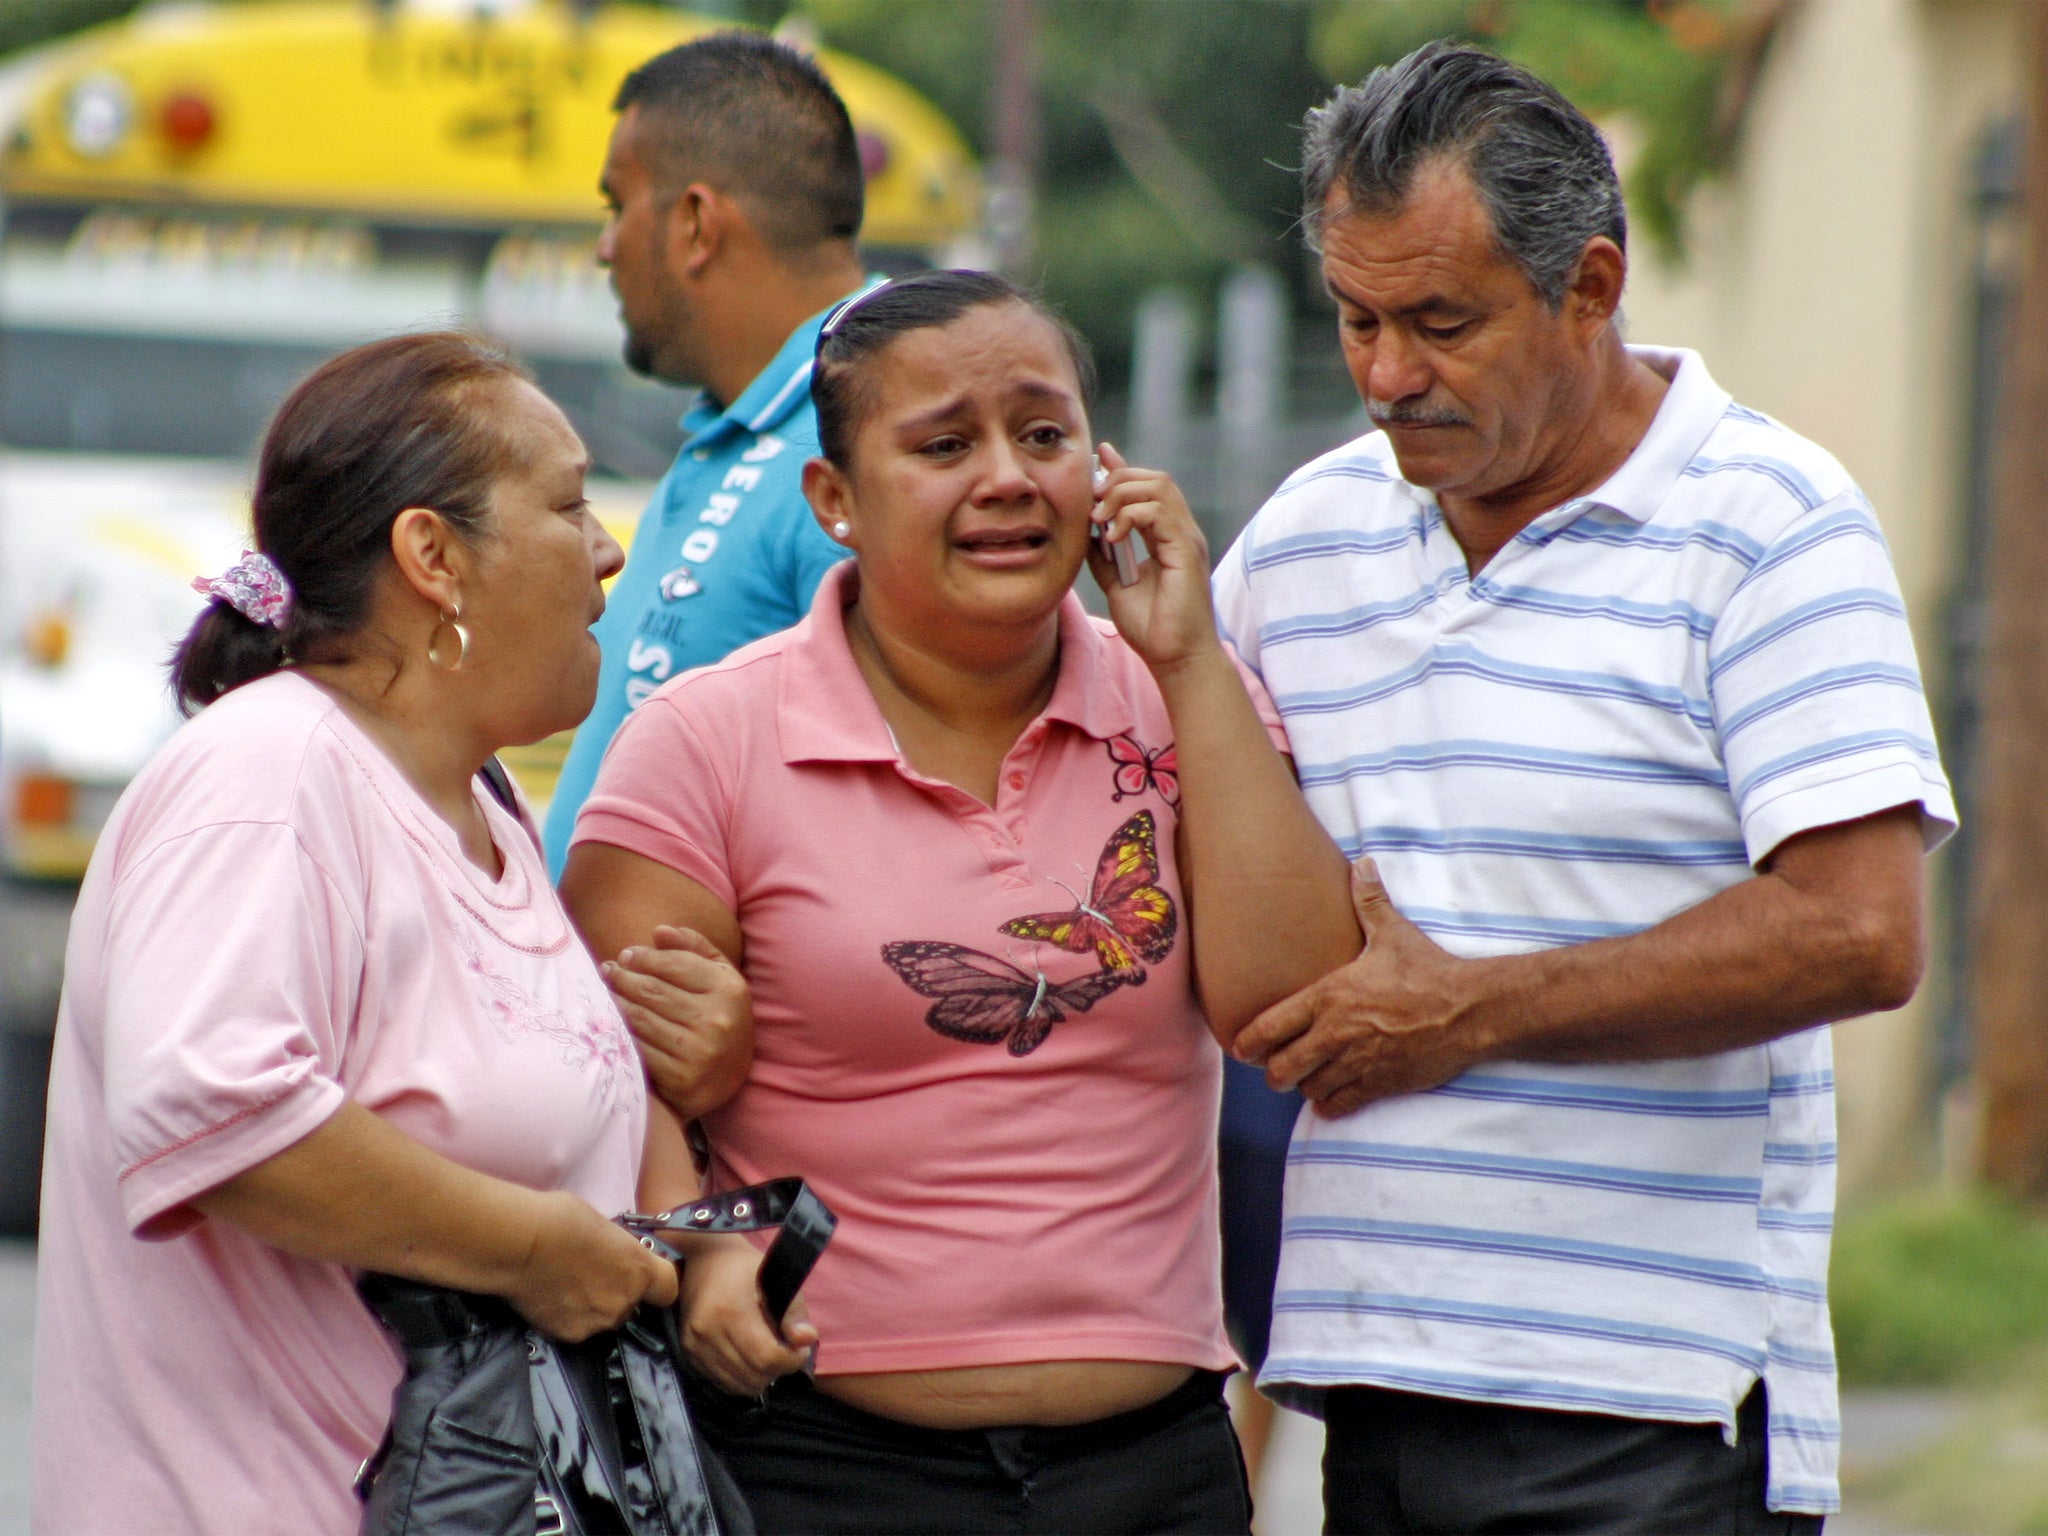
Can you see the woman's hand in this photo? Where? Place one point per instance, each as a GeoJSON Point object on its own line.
{"type": "Point", "coordinates": [1166, 616]}
{"type": "Point", "coordinates": [584, 1274]}
{"type": "Point", "coordinates": [693, 1015]}
{"type": "Point", "coordinates": [725, 1327]}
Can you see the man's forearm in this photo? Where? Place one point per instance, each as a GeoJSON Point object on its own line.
{"type": "Point", "coordinates": [1761, 959]}
{"type": "Point", "coordinates": [1832, 927]}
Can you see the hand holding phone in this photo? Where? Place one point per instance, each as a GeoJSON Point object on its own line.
{"type": "Point", "coordinates": [1122, 553]}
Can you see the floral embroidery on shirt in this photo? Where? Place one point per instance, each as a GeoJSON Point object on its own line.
{"type": "Point", "coordinates": [1139, 768]}
{"type": "Point", "coordinates": [597, 1041]}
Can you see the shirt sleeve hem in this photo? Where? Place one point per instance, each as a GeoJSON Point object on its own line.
{"type": "Point", "coordinates": [600, 825]}
{"type": "Point", "coordinates": [156, 1190]}
{"type": "Point", "coordinates": [1262, 701]}
{"type": "Point", "coordinates": [1874, 789]}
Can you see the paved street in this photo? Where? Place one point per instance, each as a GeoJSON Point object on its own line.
{"type": "Point", "coordinates": [17, 1314]}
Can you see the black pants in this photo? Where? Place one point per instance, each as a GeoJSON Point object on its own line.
{"type": "Point", "coordinates": [810, 1466]}
{"type": "Point", "coordinates": [1402, 1462]}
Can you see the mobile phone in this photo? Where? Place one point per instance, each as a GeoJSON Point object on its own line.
{"type": "Point", "coordinates": [1123, 554]}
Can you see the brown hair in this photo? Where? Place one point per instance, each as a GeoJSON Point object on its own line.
{"type": "Point", "coordinates": [387, 426]}
{"type": "Point", "coordinates": [863, 327]}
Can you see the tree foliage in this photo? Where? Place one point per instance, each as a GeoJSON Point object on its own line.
{"type": "Point", "coordinates": [24, 23]}
{"type": "Point", "coordinates": [1170, 132]}
{"type": "Point", "coordinates": [1172, 126]}
{"type": "Point", "coordinates": [1662, 67]}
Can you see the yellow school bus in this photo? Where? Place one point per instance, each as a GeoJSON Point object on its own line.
{"type": "Point", "coordinates": [202, 201]}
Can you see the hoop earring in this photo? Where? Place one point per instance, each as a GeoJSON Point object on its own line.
{"type": "Point", "coordinates": [449, 621]}
{"type": "Point", "coordinates": [841, 529]}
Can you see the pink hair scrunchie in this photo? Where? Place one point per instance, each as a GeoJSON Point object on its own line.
{"type": "Point", "coordinates": [254, 587]}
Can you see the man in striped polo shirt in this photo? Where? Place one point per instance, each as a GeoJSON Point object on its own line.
{"type": "Point", "coordinates": [1610, 679]}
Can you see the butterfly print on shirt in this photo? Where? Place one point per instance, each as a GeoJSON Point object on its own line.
{"type": "Point", "coordinates": [1139, 768]}
{"type": "Point", "coordinates": [1125, 917]}
{"type": "Point", "coordinates": [982, 999]}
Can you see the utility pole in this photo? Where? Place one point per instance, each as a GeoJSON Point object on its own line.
{"type": "Point", "coordinates": [2009, 904]}
{"type": "Point", "coordinates": [1251, 398]}
{"type": "Point", "coordinates": [1015, 137]}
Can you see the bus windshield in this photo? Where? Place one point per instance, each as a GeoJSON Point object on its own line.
{"type": "Point", "coordinates": [130, 333]}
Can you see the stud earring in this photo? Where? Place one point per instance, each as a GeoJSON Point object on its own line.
{"type": "Point", "coordinates": [841, 529]}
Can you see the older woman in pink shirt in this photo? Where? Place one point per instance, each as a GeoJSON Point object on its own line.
{"type": "Point", "coordinates": [322, 1011]}
{"type": "Point", "coordinates": [995, 872]}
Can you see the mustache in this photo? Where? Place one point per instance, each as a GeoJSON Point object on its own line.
{"type": "Point", "coordinates": [1413, 413]}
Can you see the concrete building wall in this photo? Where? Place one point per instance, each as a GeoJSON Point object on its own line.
{"type": "Point", "coordinates": [1828, 282]}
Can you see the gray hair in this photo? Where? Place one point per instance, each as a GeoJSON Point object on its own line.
{"type": "Point", "coordinates": [1539, 166]}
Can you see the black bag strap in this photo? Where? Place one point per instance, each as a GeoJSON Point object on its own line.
{"type": "Point", "coordinates": [499, 783]}
{"type": "Point", "coordinates": [806, 1224]}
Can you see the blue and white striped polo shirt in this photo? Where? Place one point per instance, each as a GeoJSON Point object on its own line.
{"type": "Point", "coordinates": [1639, 697]}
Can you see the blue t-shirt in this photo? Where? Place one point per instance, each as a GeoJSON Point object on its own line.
{"type": "Point", "coordinates": [726, 552]}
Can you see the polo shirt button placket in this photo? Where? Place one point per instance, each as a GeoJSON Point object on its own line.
{"type": "Point", "coordinates": [1005, 857]}
{"type": "Point", "coordinates": [1459, 602]}
{"type": "Point", "coordinates": [1011, 805]}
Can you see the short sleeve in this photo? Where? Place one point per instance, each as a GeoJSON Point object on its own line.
{"type": "Point", "coordinates": [1231, 593]}
{"type": "Point", "coordinates": [1815, 688]}
{"type": "Point", "coordinates": [660, 794]}
{"type": "Point", "coordinates": [1262, 701]}
{"type": "Point", "coordinates": [232, 973]}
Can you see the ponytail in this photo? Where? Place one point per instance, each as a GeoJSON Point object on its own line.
{"type": "Point", "coordinates": [223, 649]}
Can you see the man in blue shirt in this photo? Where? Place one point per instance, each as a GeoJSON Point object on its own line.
{"type": "Point", "coordinates": [735, 189]}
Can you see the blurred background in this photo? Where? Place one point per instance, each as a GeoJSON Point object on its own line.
{"type": "Point", "coordinates": [1830, 199]}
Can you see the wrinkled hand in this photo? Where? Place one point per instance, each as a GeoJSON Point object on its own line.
{"type": "Point", "coordinates": [1167, 617]}
{"type": "Point", "coordinates": [1386, 1024]}
{"type": "Point", "coordinates": [693, 1015]}
{"type": "Point", "coordinates": [725, 1327]}
{"type": "Point", "coordinates": [584, 1273]}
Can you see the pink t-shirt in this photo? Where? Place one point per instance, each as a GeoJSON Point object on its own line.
{"type": "Point", "coordinates": [275, 921]}
{"type": "Point", "coordinates": [1009, 1100]}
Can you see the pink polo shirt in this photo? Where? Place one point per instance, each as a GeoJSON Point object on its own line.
{"type": "Point", "coordinates": [975, 1028]}
{"type": "Point", "coordinates": [274, 922]}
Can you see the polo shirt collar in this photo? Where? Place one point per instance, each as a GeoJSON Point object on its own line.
{"type": "Point", "coordinates": [775, 393]}
{"type": "Point", "coordinates": [825, 713]}
{"type": "Point", "coordinates": [1088, 693]}
{"type": "Point", "coordinates": [1685, 418]}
